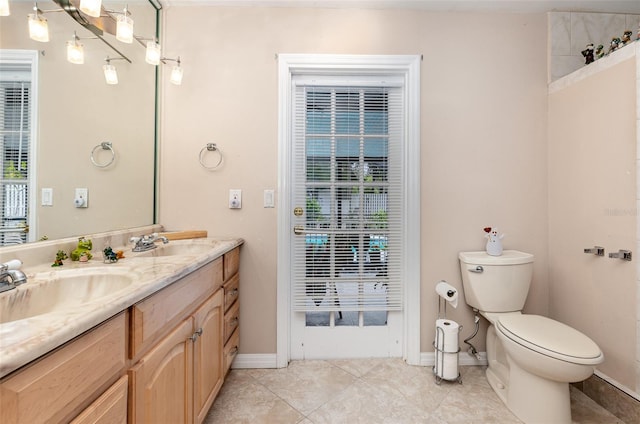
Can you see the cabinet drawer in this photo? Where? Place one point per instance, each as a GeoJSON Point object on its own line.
{"type": "Point", "coordinates": [60, 385]}
{"type": "Point", "coordinates": [231, 291]}
{"type": "Point", "coordinates": [110, 408]}
{"type": "Point", "coordinates": [231, 350]}
{"type": "Point", "coordinates": [231, 263]}
{"type": "Point", "coordinates": [231, 320]}
{"type": "Point", "coordinates": [154, 316]}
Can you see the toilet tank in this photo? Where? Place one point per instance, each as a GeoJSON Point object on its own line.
{"type": "Point", "coordinates": [496, 283]}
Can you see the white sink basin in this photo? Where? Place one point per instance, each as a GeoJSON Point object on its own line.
{"type": "Point", "coordinates": [57, 290]}
{"type": "Point", "coordinates": [181, 247]}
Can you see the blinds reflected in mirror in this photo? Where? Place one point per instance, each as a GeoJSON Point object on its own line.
{"type": "Point", "coordinates": [15, 142]}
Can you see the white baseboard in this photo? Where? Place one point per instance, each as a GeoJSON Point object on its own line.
{"type": "Point", "coordinates": [428, 359]}
{"type": "Point", "coordinates": [268, 360]}
{"type": "Point", "coordinates": [254, 360]}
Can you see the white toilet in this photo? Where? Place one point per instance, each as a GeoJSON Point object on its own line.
{"type": "Point", "coordinates": [532, 359]}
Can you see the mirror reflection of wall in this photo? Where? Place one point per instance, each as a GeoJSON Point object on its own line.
{"type": "Point", "coordinates": [76, 111]}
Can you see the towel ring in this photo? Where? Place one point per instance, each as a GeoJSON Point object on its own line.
{"type": "Point", "coordinates": [210, 147]}
{"type": "Point", "coordinates": [105, 145]}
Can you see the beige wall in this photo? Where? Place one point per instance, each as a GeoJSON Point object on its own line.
{"type": "Point", "coordinates": [592, 201]}
{"type": "Point", "coordinates": [77, 111]}
{"type": "Point", "coordinates": [483, 135]}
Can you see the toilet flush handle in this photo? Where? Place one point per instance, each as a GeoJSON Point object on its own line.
{"type": "Point", "coordinates": [477, 269]}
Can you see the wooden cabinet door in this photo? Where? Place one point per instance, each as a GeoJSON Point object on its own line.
{"type": "Point", "coordinates": [162, 381]}
{"type": "Point", "coordinates": [110, 408]}
{"type": "Point", "coordinates": [60, 385]}
{"type": "Point", "coordinates": [207, 354]}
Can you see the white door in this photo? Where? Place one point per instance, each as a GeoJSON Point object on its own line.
{"type": "Point", "coordinates": [349, 207]}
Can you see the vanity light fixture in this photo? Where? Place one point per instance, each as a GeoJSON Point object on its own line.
{"type": "Point", "coordinates": [38, 26]}
{"type": "Point", "coordinates": [91, 7]}
{"type": "Point", "coordinates": [153, 53]}
{"type": "Point", "coordinates": [4, 8]}
{"type": "Point", "coordinates": [176, 70]}
{"type": "Point", "coordinates": [176, 74]}
{"type": "Point", "coordinates": [110, 72]}
{"type": "Point", "coordinates": [124, 27]}
{"type": "Point", "coordinates": [75, 50]}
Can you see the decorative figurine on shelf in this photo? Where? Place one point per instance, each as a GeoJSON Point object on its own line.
{"type": "Point", "coordinates": [109, 255]}
{"type": "Point", "coordinates": [615, 44]}
{"type": "Point", "coordinates": [626, 38]}
{"type": "Point", "coordinates": [83, 249]}
{"type": "Point", "coordinates": [494, 242]}
{"type": "Point", "coordinates": [600, 51]}
{"type": "Point", "coordinates": [588, 54]}
{"type": "Point", "coordinates": [60, 256]}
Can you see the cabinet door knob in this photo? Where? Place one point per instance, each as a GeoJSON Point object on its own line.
{"type": "Point", "coordinates": [195, 335]}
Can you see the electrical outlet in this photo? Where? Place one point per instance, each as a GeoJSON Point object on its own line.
{"type": "Point", "coordinates": [235, 199]}
{"type": "Point", "coordinates": [81, 199]}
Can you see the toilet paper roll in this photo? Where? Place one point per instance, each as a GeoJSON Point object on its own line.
{"type": "Point", "coordinates": [446, 344]}
{"type": "Point", "coordinates": [447, 335]}
{"type": "Point", "coordinates": [448, 293]}
{"type": "Point", "coordinates": [447, 368]}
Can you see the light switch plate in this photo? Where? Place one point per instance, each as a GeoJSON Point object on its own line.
{"type": "Point", "coordinates": [46, 198]}
{"type": "Point", "coordinates": [269, 201]}
{"type": "Point", "coordinates": [235, 199]}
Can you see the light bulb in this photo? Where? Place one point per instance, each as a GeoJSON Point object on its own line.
{"type": "Point", "coordinates": [91, 7]}
{"type": "Point", "coordinates": [176, 75]}
{"type": "Point", "coordinates": [75, 52]}
{"type": "Point", "coordinates": [38, 28]}
{"type": "Point", "coordinates": [110, 74]}
{"type": "Point", "coordinates": [153, 53]}
{"type": "Point", "coordinates": [124, 29]}
{"type": "Point", "coordinates": [4, 8]}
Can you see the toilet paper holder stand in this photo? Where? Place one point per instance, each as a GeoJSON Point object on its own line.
{"type": "Point", "coordinates": [438, 367]}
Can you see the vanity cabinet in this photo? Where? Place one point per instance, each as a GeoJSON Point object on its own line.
{"type": "Point", "coordinates": [60, 385]}
{"type": "Point", "coordinates": [164, 359]}
{"type": "Point", "coordinates": [178, 374]}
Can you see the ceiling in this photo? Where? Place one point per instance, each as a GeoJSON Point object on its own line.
{"type": "Point", "coordinates": [511, 6]}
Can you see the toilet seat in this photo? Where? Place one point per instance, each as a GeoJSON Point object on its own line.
{"type": "Point", "coordinates": [551, 338]}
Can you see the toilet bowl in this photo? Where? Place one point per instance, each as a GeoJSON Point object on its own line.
{"type": "Point", "coordinates": [532, 359]}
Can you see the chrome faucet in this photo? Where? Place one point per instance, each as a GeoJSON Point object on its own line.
{"type": "Point", "coordinates": [11, 278]}
{"type": "Point", "coordinates": [148, 242]}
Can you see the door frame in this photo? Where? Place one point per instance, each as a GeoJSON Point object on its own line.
{"type": "Point", "coordinates": [409, 67]}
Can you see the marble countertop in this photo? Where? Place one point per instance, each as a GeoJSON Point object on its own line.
{"type": "Point", "coordinates": [23, 340]}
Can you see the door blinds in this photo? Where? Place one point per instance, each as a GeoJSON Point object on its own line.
{"type": "Point", "coordinates": [348, 150]}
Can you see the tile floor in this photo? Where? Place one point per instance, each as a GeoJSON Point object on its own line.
{"type": "Point", "coordinates": [369, 391]}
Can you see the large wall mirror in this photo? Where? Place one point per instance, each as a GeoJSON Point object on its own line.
{"type": "Point", "coordinates": [77, 112]}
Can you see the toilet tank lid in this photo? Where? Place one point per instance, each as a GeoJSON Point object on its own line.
{"type": "Point", "coordinates": [508, 257]}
